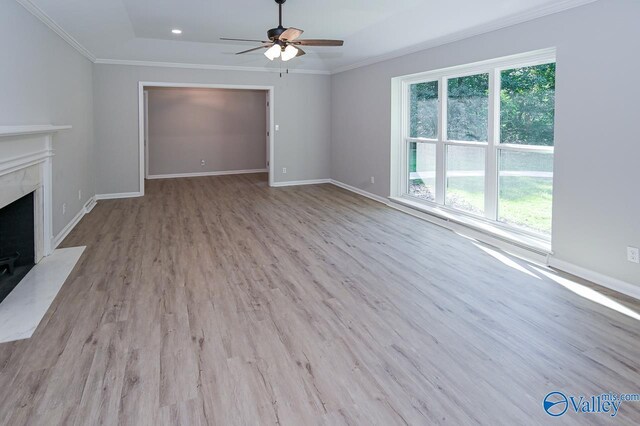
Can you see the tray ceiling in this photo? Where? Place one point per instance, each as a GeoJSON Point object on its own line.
{"type": "Point", "coordinates": [140, 30]}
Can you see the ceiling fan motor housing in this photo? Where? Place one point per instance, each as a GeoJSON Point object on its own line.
{"type": "Point", "coordinates": [275, 33]}
{"type": "Point", "coordinates": [289, 44]}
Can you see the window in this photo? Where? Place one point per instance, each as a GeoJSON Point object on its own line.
{"type": "Point", "coordinates": [465, 178]}
{"type": "Point", "coordinates": [468, 108]}
{"type": "Point", "coordinates": [525, 152]}
{"type": "Point", "coordinates": [422, 170]}
{"type": "Point", "coordinates": [478, 140]}
{"type": "Point", "coordinates": [424, 110]}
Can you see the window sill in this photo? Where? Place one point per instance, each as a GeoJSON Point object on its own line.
{"type": "Point", "coordinates": [531, 243]}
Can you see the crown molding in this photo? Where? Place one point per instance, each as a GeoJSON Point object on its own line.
{"type": "Point", "coordinates": [519, 18]}
{"type": "Point", "coordinates": [509, 21]}
{"type": "Point", "coordinates": [42, 16]}
{"type": "Point", "coordinates": [204, 66]}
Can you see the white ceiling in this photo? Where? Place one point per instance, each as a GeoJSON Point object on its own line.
{"type": "Point", "coordinates": [140, 30]}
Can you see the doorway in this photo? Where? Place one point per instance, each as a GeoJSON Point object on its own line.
{"type": "Point", "coordinates": [197, 147]}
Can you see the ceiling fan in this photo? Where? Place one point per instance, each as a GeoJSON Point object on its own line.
{"type": "Point", "coordinates": [283, 42]}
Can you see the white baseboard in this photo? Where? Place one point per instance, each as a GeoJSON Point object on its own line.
{"type": "Point", "coordinates": [525, 253]}
{"type": "Point", "coordinates": [72, 224]}
{"type": "Point", "coordinates": [90, 205]}
{"type": "Point", "coordinates": [301, 182]}
{"type": "Point", "coordinates": [596, 277]}
{"type": "Point", "coordinates": [513, 249]}
{"type": "Point", "coordinates": [359, 191]}
{"type": "Point", "coordinates": [222, 173]}
{"type": "Point", "coordinates": [118, 195]}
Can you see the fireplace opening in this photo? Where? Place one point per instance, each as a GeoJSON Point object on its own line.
{"type": "Point", "coordinates": [17, 243]}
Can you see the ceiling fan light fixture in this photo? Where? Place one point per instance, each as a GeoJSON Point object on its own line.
{"type": "Point", "coordinates": [282, 41]}
{"type": "Point", "coordinates": [273, 52]}
{"type": "Point", "coordinates": [289, 52]}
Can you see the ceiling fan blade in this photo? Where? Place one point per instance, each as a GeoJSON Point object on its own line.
{"type": "Point", "coordinates": [291, 34]}
{"type": "Point", "coordinates": [318, 42]}
{"type": "Point", "coordinates": [251, 50]}
{"type": "Point", "coordinates": [243, 39]}
{"type": "Point", "coordinates": [300, 52]}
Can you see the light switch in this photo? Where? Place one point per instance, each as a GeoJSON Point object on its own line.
{"type": "Point", "coordinates": [277, 127]}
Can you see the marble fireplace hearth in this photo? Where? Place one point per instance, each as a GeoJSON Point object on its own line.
{"type": "Point", "coordinates": [26, 161]}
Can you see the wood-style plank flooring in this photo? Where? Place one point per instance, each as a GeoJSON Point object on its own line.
{"type": "Point", "coordinates": [222, 301]}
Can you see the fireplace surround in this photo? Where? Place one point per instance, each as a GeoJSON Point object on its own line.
{"type": "Point", "coordinates": [25, 171]}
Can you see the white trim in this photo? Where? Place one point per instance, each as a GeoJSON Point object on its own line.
{"type": "Point", "coordinates": [86, 209]}
{"type": "Point", "coordinates": [204, 66]}
{"type": "Point", "coordinates": [271, 139]}
{"type": "Point", "coordinates": [359, 191]}
{"type": "Point", "coordinates": [530, 58]}
{"type": "Point", "coordinates": [300, 182]}
{"type": "Point", "coordinates": [118, 195]}
{"type": "Point", "coordinates": [67, 229]}
{"type": "Point", "coordinates": [221, 173]}
{"type": "Point", "coordinates": [505, 22]}
{"type": "Point", "coordinates": [89, 205]}
{"type": "Point", "coordinates": [141, 137]}
{"type": "Point", "coordinates": [145, 93]}
{"type": "Point", "coordinates": [596, 277]}
{"type": "Point", "coordinates": [141, 127]}
{"type": "Point", "coordinates": [493, 229]}
{"type": "Point", "coordinates": [13, 164]}
{"type": "Point", "coordinates": [41, 154]}
{"type": "Point", "coordinates": [510, 246]}
{"type": "Point", "coordinates": [36, 129]}
{"type": "Point", "coordinates": [49, 22]}
{"type": "Point", "coordinates": [491, 148]}
{"type": "Point", "coordinates": [501, 23]}
{"type": "Point", "coordinates": [521, 250]}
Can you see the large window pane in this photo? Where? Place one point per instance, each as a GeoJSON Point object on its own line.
{"type": "Point", "coordinates": [468, 108]}
{"type": "Point", "coordinates": [465, 178]}
{"type": "Point", "coordinates": [423, 110]}
{"type": "Point", "coordinates": [525, 190]}
{"type": "Point", "coordinates": [527, 105]}
{"type": "Point", "coordinates": [422, 170]}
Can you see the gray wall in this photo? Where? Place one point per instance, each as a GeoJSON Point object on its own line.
{"type": "Point", "coordinates": [225, 128]}
{"type": "Point", "coordinates": [45, 81]}
{"type": "Point", "coordinates": [596, 206]}
{"type": "Point", "coordinates": [302, 103]}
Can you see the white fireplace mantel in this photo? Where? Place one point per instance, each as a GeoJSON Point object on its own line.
{"type": "Point", "coordinates": [26, 165]}
{"type": "Point", "coordinates": [6, 131]}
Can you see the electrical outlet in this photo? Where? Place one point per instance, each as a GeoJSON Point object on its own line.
{"type": "Point", "coordinates": [284, 170]}
{"type": "Point", "coordinates": [202, 163]}
{"type": "Point", "coordinates": [633, 254]}
{"type": "Point", "coordinates": [277, 127]}
{"type": "Point", "coordinates": [80, 194]}
{"type": "Point", "coordinates": [373, 179]}
{"type": "Point", "coordinates": [64, 208]}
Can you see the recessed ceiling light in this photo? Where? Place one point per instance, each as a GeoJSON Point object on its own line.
{"type": "Point", "coordinates": [176, 31]}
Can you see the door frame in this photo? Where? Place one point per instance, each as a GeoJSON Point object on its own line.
{"type": "Point", "coordinates": [142, 111]}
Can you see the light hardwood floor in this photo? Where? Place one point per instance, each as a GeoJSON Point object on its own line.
{"type": "Point", "coordinates": [222, 301]}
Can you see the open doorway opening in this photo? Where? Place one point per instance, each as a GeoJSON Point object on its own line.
{"type": "Point", "coordinates": [189, 130]}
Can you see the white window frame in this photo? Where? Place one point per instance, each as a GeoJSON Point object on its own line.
{"type": "Point", "coordinates": [401, 137]}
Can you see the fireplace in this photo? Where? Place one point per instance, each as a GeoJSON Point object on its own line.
{"type": "Point", "coordinates": [25, 200]}
{"type": "Point", "coordinates": [26, 231]}
{"type": "Point", "coordinates": [17, 242]}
